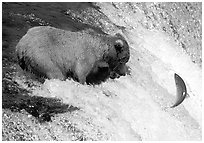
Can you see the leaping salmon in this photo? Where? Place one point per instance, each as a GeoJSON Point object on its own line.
{"type": "Point", "coordinates": [181, 90]}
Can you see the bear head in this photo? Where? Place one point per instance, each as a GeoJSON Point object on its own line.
{"type": "Point", "coordinates": [122, 55]}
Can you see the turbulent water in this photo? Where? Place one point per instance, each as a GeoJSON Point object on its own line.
{"type": "Point", "coordinates": [135, 106]}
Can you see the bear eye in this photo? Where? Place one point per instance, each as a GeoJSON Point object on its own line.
{"type": "Point", "coordinates": [118, 48]}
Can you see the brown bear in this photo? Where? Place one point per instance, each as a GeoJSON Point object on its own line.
{"type": "Point", "coordinates": [55, 53]}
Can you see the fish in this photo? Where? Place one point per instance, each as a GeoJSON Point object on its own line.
{"type": "Point", "coordinates": [181, 90]}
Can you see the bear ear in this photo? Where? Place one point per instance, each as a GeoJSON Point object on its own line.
{"type": "Point", "coordinates": [119, 45]}
{"type": "Point", "coordinates": [119, 36]}
{"type": "Point", "coordinates": [119, 42]}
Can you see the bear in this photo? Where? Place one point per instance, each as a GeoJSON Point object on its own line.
{"type": "Point", "coordinates": [58, 54]}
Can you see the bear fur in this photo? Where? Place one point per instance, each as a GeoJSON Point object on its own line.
{"type": "Point", "coordinates": [55, 53]}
